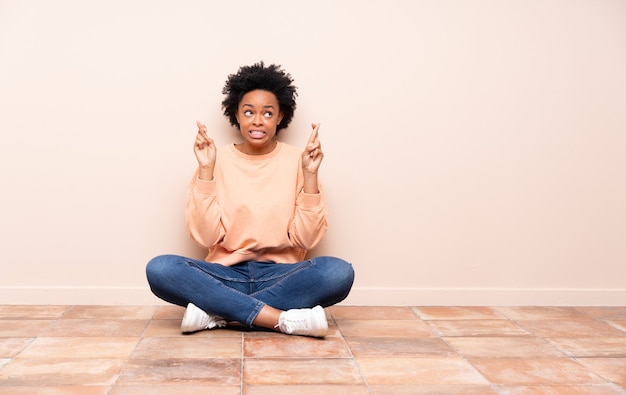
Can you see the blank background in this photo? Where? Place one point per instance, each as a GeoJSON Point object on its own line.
{"type": "Point", "coordinates": [474, 150]}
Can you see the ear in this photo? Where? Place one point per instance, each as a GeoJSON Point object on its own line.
{"type": "Point", "coordinates": [280, 118]}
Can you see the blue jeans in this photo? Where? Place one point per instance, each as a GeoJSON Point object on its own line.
{"type": "Point", "coordinates": [239, 292]}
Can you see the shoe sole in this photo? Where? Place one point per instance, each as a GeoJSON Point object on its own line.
{"type": "Point", "coordinates": [185, 325]}
{"type": "Point", "coordinates": [321, 321]}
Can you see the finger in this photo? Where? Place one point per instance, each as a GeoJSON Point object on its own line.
{"type": "Point", "coordinates": [202, 129]}
{"type": "Point", "coordinates": [201, 126]}
{"type": "Point", "coordinates": [199, 145]}
{"type": "Point", "coordinates": [314, 133]}
{"type": "Point", "coordinates": [315, 153]}
{"type": "Point", "coordinates": [202, 141]}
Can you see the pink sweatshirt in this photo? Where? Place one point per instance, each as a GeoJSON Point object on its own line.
{"type": "Point", "coordinates": [255, 208]}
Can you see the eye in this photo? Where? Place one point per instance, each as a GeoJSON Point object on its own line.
{"type": "Point", "coordinates": [247, 113]}
{"type": "Point", "coordinates": [267, 114]}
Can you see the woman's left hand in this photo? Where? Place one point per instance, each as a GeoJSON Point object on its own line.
{"type": "Point", "coordinates": [312, 155]}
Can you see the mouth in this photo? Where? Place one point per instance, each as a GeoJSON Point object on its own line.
{"type": "Point", "coordinates": [256, 134]}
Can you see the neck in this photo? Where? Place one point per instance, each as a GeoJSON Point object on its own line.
{"type": "Point", "coordinates": [251, 150]}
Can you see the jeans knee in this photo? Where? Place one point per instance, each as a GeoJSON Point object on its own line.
{"type": "Point", "coordinates": [337, 276]}
{"type": "Point", "coordinates": [338, 271]}
{"type": "Point", "coordinates": [157, 267]}
{"type": "Point", "coordinates": [347, 274]}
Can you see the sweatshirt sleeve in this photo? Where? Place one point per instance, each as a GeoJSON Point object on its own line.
{"type": "Point", "coordinates": [203, 213]}
{"type": "Point", "coordinates": [310, 220]}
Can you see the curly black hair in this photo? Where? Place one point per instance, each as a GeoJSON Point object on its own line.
{"type": "Point", "coordinates": [270, 78]}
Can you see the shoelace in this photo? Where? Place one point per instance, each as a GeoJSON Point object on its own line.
{"type": "Point", "coordinates": [296, 323]}
{"type": "Point", "coordinates": [216, 321]}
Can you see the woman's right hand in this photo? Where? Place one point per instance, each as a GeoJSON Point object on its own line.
{"type": "Point", "coordinates": [206, 152]}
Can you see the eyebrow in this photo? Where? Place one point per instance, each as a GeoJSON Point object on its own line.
{"type": "Point", "coordinates": [265, 106]}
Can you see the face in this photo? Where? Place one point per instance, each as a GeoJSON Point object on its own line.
{"type": "Point", "coordinates": [258, 115]}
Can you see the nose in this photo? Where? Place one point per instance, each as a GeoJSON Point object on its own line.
{"type": "Point", "coordinates": [257, 119]}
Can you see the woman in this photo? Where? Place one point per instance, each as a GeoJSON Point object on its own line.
{"type": "Point", "coordinates": [258, 207]}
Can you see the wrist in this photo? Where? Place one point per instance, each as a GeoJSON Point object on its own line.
{"type": "Point", "coordinates": [205, 173]}
{"type": "Point", "coordinates": [310, 184]}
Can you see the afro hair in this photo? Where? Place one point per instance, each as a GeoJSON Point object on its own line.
{"type": "Point", "coordinates": [270, 78]}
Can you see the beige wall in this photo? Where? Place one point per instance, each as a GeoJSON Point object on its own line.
{"type": "Point", "coordinates": [475, 150]}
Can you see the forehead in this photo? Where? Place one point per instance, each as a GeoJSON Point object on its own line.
{"type": "Point", "coordinates": [259, 98]}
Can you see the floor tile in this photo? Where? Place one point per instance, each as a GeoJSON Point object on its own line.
{"type": "Point", "coordinates": [96, 328]}
{"type": "Point", "coordinates": [540, 313]}
{"type": "Point", "coordinates": [502, 347]}
{"type": "Point", "coordinates": [385, 328]}
{"type": "Point", "coordinates": [11, 346]}
{"type": "Point", "coordinates": [306, 389]}
{"type": "Point", "coordinates": [301, 371]}
{"type": "Point", "coordinates": [60, 372]}
{"type": "Point", "coordinates": [188, 347]}
{"type": "Point", "coordinates": [23, 328]}
{"type": "Point", "coordinates": [295, 347]}
{"type": "Point", "coordinates": [423, 371]}
{"type": "Point", "coordinates": [208, 371]}
{"type": "Point", "coordinates": [163, 328]}
{"type": "Point", "coordinates": [32, 312]}
{"type": "Point", "coordinates": [399, 347]}
{"type": "Point", "coordinates": [80, 347]}
{"type": "Point", "coordinates": [597, 389]}
{"type": "Point", "coordinates": [58, 390]}
{"type": "Point", "coordinates": [111, 312]}
{"type": "Point", "coordinates": [176, 389]}
{"type": "Point", "coordinates": [169, 313]}
{"type": "Point", "coordinates": [477, 328]}
{"type": "Point", "coordinates": [372, 313]}
{"type": "Point", "coordinates": [613, 369]}
{"type": "Point", "coordinates": [617, 324]}
{"type": "Point", "coordinates": [260, 332]}
{"type": "Point", "coordinates": [171, 328]}
{"type": "Point", "coordinates": [591, 346]}
{"type": "Point", "coordinates": [533, 371]}
{"type": "Point", "coordinates": [421, 389]}
{"type": "Point", "coordinates": [456, 313]}
{"type": "Point", "coordinates": [605, 312]}
{"type": "Point", "coordinates": [570, 328]}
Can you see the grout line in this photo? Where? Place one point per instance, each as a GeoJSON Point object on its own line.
{"type": "Point", "coordinates": [367, 385]}
{"type": "Point", "coordinates": [456, 351]}
{"type": "Point", "coordinates": [241, 376]}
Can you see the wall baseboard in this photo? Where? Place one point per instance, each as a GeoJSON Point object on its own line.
{"type": "Point", "coordinates": [358, 296]}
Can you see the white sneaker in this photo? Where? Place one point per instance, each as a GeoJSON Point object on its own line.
{"type": "Point", "coordinates": [305, 322]}
{"type": "Point", "coordinates": [197, 320]}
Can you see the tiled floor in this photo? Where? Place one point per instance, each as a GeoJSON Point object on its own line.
{"type": "Point", "coordinates": [122, 350]}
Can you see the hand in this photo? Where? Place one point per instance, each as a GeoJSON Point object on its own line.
{"type": "Point", "coordinates": [205, 151]}
{"type": "Point", "coordinates": [312, 155]}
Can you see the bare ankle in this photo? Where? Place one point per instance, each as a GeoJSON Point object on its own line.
{"type": "Point", "coordinates": [267, 318]}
